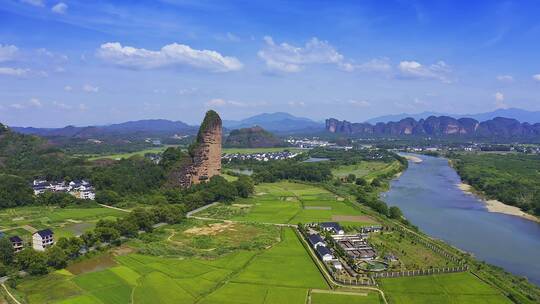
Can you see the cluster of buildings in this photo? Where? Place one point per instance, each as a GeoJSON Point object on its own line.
{"type": "Point", "coordinates": [79, 188]}
{"type": "Point", "coordinates": [306, 143]}
{"type": "Point", "coordinates": [263, 156]}
{"type": "Point", "coordinates": [355, 246]}
{"type": "Point", "coordinates": [41, 240]}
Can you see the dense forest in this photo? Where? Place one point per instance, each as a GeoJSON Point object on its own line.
{"type": "Point", "coordinates": [513, 179]}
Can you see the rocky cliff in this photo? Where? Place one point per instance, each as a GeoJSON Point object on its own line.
{"type": "Point", "coordinates": [204, 155]}
{"type": "Point", "coordinates": [441, 126]}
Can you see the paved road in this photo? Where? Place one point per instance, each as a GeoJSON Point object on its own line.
{"type": "Point", "coordinates": [10, 295]}
{"type": "Point", "coordinates": [115, 208]}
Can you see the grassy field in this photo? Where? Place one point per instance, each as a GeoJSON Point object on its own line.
{"type": "Point", "coordinates": [258, 150]}
{"type": "Point", "coordinates": [128, 155]}
{"type": "Point", "coordinates": [282, 273]}
{"type": "Point", "coordinates": [69, 221]}
{"type": "Point", "coordinates": [345, 298]}
{"type": "Point", "coordinates": [287, 202]}
{"type": "Point", "coordinates": [360, 169]}
{"type": "Point", "coordinates": [410, 253]}
{"type": "Point", "coordinates": [447, 288]}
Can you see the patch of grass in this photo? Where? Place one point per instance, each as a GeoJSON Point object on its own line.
{"type": "Point", "coordinates": [233, 293]}
{"type": "Point", "coordinates": [286, 202]}
{"type": "Point", "coordinates": [445, 288]}
{"type": "Point", "coordinates": [360, 169]}
{"type": "Point", "coordinates": [285, 264]}
{"type": "Point", "coordinates": [411, 254]}
{"type": "Point", "coordinates": [363, 297]}
{"type": "Point", "coordinates": [156, 287]}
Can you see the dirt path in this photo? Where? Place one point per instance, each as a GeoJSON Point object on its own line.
{"type": "Point", "coordinates": [10, 295]}
{"type": "Point", "coordinates": [346, 293]}
{"type": "Point", "coordinates": [115, 208]}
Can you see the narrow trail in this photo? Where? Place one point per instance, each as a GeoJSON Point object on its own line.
{"type": "Point", "coordinates": [115, 208]}
{"type": "Point", "coordinates": [10, 295]}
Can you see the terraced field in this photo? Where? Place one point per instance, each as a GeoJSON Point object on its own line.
{"type": "Point", "coordinates": [289, 203]}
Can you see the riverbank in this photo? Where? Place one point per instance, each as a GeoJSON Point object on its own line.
{"type": "Point", "coordinates": [413, 159]}
{"type": "Point", "coordinates": [498, 206]}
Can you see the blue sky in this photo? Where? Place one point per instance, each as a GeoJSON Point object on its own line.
{"type": "Point", "coordinates": [99, 62]}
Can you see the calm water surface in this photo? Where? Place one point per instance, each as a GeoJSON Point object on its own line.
{"type": "Point", "coordinates": [427, 194]}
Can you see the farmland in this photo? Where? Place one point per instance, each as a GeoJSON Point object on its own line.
{"type": "Point", "coordinates": [69, 221]}
{"type": "Point", "coordinates": [258, 150]}
{"type": "Point", "coordinates": [445, 288]}
{"type": "Point", "coordinates": [359, 169]}
{"type": "Point", "coordinates": [282, 273]}
{"type": "Point", "coordinates": [128, 155]}
{"type": "Point", "coordinates": [288, 202]}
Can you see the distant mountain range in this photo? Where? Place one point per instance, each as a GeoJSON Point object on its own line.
{"type": "Point", "coordinates": [278, 122]}
{"type": "Point", "coordinates": [439, 126]}
{"type": "Point", "coordinates": [514, 113]}
{"type": "Point", "coordinates": [254, 137]}
{"type": "Point", "coordinates": [149, 127]}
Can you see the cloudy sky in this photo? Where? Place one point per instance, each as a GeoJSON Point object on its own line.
{"type": "Point", "coordinates": [98, 62]}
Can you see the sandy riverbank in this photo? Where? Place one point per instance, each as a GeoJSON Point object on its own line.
{"type": "Point", "coordinates": [499, 207]}
{"type": "Point", "coordinates": [412, 158]}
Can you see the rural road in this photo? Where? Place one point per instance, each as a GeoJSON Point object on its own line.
{"type": "Point", "coordinates": [10, 295]}
{"type": "Point", "coordinates": [115, 208]}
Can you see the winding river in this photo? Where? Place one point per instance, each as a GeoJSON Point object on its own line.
{"type": "Point", "coordinates": [428, 195]}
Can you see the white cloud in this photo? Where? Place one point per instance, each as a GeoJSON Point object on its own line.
{"type": "Point", "coordinates": [299, 104]}
{"type": "Point", "coordinates": [536, 77]}
{"type": "Point", "coordinates": [375, 65]}
{"type": "Point", "coordinates": [34, 2]}
{"type": "Point", "coordinates": [169, 56]}
{"type": "Point", "coordinates": [90, 89]}
{"type": "Point", "coordinates": [505, 78]}
{"type": "Point", "coordinates": [68, 88]}
{"type": "Point", "coordinates": [59, 8]}
{"type": "Point", "coordinates": [83, 107]}
{"type": "Point", "coordinates": [17, 106]}
{"type": "Point", "coordinates": [219, 102]}
{"type": "Point", "coordinates": [415, 70]}
{"type": "Point", "coordinates": [499, 101]}
{"type": "Point", "coordinates": [359, 103]}
{"type": "Point", "coordinates": [291, 59]}
{"type": "Point", "coordinates": [7, 52]}
{"type": "Point", "coordinates": [35, 102]}
{"type": "Point", "coordinates": [62, 106]}
{"type": "Point", "coordinates": [14, 71]}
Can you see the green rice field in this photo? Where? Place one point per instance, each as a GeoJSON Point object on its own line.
{"type": "Point", "coordinates": [444, 288]}
{"type": "Point", "coordinates": [287, 202]}
{"type": "Point", "coordinates": [363, 297]}
{"type": "Point", "coordinates": [283, 273]}
{"type": "Point", "coordinates": [258, 150]}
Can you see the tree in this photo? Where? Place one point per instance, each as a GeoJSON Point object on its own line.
{"type": "Point", "coordinates": [14, 191]}
{"type": "Point", "coordinates": [244, 186]}
{"type": "Point", "coordinates": [6, 251]}
{"type": "Point", "coordinates": [395, 213]}
{"type": "Point", "coordinates": [107, 197]}
{"type": "Point", "coordinates": [107, 234]}
{"type": "Point", "coordinates": [360, 181]}
{"type": "Point", "coordinates": [88, 238]}
{"type": "Point", "coordinates": [35, 262]}
{"type": "Point", "coordinates": [56, 257]}
{"type": "Point", "coordinates": [127, 228]}
{"type": "Point", "coordinates": [351, 178]}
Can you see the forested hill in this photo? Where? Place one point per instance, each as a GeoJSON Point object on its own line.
{"type": "Point", "coordinates": [255, 137]}
{"type": "Point", "coordinates": [28, 155]}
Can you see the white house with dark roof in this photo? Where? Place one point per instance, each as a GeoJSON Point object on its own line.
{"type": "Point", "coordinates": [42, 239]}
{"type": "Point", "coordinates": [324, 254]}
{"type": "Point", "coordinates": [316, 240]}
{"type": "Point", "coordinates": [17, 243]}
{"type": "Point", "coordinates": [332, 227]}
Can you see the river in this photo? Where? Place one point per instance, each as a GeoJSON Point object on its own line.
{"type": "Point", "coordinates": [428, 195]}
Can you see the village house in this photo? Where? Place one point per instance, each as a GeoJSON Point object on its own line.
{"type": "Point", "coordinates": [42, 239]}
{"type": "Point", "coordinates": [332, 227]}
{"type": "Point", "coordinates": [79, 188]}
{"type": "Point", "coordinates": [17, 243]}
{"type": "Point", "coordinates": [316, 240]}
{"type": "Point", "coordinates": [324, 254]}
